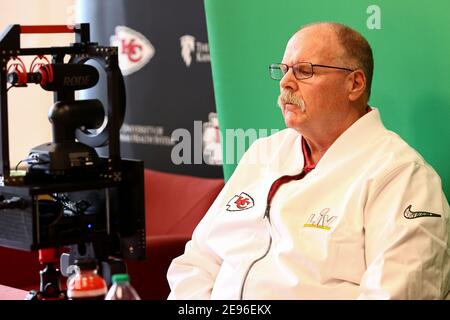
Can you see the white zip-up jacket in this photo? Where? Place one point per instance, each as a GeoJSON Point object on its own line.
{"type": "Point", "coordinates": [369, 222]}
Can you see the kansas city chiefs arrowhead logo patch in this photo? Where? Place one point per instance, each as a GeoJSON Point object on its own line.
{"type": "Point", "coordinates": [240, 202]}
{"type": "Point", "coordinates": [135, 50]}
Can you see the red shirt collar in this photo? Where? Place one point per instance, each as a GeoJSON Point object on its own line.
{"type": "Point", "coordinates": [309, 164]}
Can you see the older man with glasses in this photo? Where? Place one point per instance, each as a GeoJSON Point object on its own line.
{"type": "Point", "coordinates": [333, 207]}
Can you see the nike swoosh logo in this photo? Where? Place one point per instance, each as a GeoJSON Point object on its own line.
{"type": "Point", "coordinates": [408, 214]}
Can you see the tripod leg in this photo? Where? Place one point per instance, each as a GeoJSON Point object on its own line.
{"type": "Point", "coordinates": [50, 284]}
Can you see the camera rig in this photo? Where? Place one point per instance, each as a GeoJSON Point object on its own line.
{"type": "Point", "coordinates": [69, 196]}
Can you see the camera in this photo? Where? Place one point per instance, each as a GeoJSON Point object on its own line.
{"type": "Point", "coordinates": [70, 195]}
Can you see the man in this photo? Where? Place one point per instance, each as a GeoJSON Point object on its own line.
{"type": "Point", "coordinates": [333, 207]}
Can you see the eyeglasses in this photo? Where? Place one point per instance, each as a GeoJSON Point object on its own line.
{"type": "Point", "coordinates": [302, 70]}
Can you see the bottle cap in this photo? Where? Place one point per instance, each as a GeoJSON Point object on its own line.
{"type": "Point", "coordinates": [120, 277]}
{"type": "Point", "coordinates": [86, 264]}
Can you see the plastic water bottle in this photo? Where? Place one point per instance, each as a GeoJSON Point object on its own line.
{"type": "Point", "coordinates": [121, 288]}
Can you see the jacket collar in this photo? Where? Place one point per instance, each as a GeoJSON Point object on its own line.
{"type": "Point", "coordinates": [365, 130]}
{"type": "Point", "coordinates": [360, 133]}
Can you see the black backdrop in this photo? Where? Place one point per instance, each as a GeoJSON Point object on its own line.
{"type": "Point", "coordinates": [168, 86]}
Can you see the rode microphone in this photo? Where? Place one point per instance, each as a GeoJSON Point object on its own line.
{"type": "Point", "coordinates": [58, 76]}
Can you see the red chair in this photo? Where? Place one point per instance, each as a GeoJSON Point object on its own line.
{"type": "Point", "coordinates": [19, 269]}
{"type": "Point", "coordinates": [174, 206]}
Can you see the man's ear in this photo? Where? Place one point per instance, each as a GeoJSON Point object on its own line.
{"type": "Point", "coordinates": [357, 84]}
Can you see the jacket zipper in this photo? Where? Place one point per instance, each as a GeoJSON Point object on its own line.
{"type": "Point", "coordinates": [267, 218]}
{"type": "Point", "coordinates": [301, 175]}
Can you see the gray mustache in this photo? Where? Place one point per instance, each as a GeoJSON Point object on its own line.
{"type": "Point", "coordinates": [287, 97]}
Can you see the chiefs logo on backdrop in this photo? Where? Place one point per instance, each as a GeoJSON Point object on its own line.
{"type": "Point", "coordinates": [240, 202]}
{"type": "Point", "coordinates": [135, 50]}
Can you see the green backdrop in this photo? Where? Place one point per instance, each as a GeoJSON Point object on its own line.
{"type": "Point", "coordinates": [411, 84]}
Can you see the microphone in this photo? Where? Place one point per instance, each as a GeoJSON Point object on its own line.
{"type": "Point", "coordinates": [59, 76]}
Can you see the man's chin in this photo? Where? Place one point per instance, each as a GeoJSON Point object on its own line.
{"type": "Point", "coordinates": [293, 119]}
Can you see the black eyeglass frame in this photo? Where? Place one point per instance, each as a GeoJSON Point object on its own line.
{"type": "Point", "coordinates": [277, 66]}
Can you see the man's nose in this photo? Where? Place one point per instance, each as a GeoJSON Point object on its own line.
{"type": "Point", "coordinates": [289, 82]}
